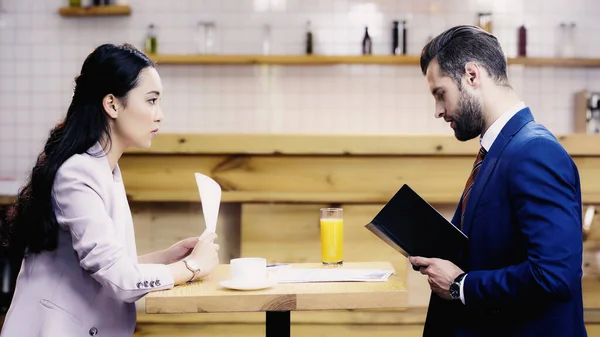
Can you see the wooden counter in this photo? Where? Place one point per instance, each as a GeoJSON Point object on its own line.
{"type": "Point", "coordinates": [274, 185]}
{"type": "Point", "coordinates": [281, 181]}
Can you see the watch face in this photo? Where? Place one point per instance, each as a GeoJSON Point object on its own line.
{"type": "Point", "coordinates": [454, 291]}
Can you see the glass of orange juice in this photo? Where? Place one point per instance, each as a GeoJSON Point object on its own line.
{"type": "Point", "coordinates": [332, 236]}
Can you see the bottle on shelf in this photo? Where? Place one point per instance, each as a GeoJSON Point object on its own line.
{"type": "Point", "coordinates": [485, 21]}
{"type": "Point", "coordinates": [210, 37]}
{"type": "Point", "coordinates": [566, 40]}
{"type": "Point", "coordinates": [266, 39]}
{"type": "Point", "coordinates": [404, 37]}
{"type": "Point", "coordinates": [309, 39]}
{"type": "Point", "coordinates": [367, 43]}
{"type": "Point", "coordinates": [151, 41]}
{"type": "Point", "coordinates": [97, 2]}
{"type": "Point", "coordinates": [395, 42]}
{"type": "Point", "coordinates": [74, 3]}
{"type": "Point", "coordinates": [522, 42]}
{"type": "Point", "coordinates": [571, 38]}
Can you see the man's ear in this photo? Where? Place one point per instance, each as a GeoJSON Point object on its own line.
{"type": "Point", "coordinates": [111, 105]}
{"type": "Point", "coordinates": [473, 74]}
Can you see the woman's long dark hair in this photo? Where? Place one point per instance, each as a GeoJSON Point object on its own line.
{"type": "Point", "coordinates": [110, 69]}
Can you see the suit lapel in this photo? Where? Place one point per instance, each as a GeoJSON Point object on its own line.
{"type": "Point", "coordinates": [489, 163]}
{"type": "Point", "coordinates": [456, 217]}
{"type": "Point", "coordinates": [484, 174]}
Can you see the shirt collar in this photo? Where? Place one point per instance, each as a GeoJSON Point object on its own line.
{"type": "Point", "coordinates": [494, 130]}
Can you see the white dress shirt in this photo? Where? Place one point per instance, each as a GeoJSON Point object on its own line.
{"type": "Point", "coordinates": [486, 141]}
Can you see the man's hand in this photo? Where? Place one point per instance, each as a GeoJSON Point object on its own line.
{"type": "Point", "coordinates": [441, 273]}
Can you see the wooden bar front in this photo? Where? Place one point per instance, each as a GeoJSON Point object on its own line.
{"type": "Point", "coordinates": [274, 185]}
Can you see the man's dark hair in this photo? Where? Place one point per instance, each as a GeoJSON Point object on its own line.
{"type": "Point", "coordinates": [461, 44]}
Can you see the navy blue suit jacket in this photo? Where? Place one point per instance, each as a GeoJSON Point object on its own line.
{"type": "Point", "coordinates": [524, 262]}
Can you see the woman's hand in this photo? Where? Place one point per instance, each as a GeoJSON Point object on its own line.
{"type": "Point", "coordinates": [179, 250]}
{"type": "Point", "coordinates": [205, 254]}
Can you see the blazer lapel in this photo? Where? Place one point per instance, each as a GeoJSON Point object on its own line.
{"type": "Point", "coordinates": [489, 163]}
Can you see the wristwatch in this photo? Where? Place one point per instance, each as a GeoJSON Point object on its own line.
{"type": "Point", "coordinates": [193, 267]}
{"type": "Point", "coordinates": [455, 287]}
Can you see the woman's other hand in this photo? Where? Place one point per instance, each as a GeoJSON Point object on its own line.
{"type": "Point", "coordinates": [179, 250]}
{"type": "Point", "coordinates": [205, 254]}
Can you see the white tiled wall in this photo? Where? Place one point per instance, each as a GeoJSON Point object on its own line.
{"type": "Point", "coordinates": [41, 52]}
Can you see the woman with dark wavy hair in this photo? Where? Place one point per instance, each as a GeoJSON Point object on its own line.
{"type": "Point", "coordinates": [71, 225]}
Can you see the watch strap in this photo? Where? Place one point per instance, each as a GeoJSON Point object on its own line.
{"type": "Point", "coordinates": [459, 278]}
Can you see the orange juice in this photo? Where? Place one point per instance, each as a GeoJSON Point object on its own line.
{"type": "Point", "coordinates": [332, 241]}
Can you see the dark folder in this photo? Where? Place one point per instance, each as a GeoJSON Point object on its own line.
{"type": "Point", "coordinates": [412, 226]}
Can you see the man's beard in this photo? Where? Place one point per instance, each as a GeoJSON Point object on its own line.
{"type": "Point", "coordinates": [468, 119]}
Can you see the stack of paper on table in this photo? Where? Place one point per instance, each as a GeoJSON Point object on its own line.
{"type": "Point", "coordinates": [309, 275]}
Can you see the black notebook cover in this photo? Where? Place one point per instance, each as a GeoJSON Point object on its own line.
{"type": "Point", "coordinates": [414, 228]}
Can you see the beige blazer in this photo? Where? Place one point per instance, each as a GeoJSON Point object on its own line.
{"type": "Point", "coordinates": [89, 285]}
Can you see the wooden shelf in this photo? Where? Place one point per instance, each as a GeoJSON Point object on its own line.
{"type": "Point", "coordinates": [555, 62]}
{"type": "Point", "coordinates": [358, 59]}
{"type": "Point", "coordinates": [284, 59]}
{"type": "Point", "coordinates": [7, 199]}
{"type": "Point", "coordinates": [95, 11]}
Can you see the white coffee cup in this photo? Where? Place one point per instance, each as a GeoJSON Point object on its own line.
{"type": "Point", "coordinates": [248, 270]}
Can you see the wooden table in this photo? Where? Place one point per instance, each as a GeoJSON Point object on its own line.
{"type": "Point", "coordinates": [280, 300]}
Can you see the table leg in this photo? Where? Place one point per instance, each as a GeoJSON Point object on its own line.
{"type": "Point", "coordinates": [278, 324]}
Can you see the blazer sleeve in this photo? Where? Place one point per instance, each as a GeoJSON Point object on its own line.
{"type": "Point", "coordinates": [79, 208]}
{"type": "Point", "coordinates": [546, 205]}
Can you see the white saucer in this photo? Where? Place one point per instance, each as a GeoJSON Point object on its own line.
{"type": "Point", "coordinates": [255, 285]}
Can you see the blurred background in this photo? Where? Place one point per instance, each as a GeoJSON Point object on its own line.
{"type": "Point", "coordinates": [42, 51]}
{"type": "Point", "coordinates": [255, 83]}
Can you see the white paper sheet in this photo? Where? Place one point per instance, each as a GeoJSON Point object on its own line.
{"type": "Point", "coordinates": [210, 196]}
{"type": "Point", "coordinates": [310, 275]}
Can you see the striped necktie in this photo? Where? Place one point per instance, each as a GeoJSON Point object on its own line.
{"type": "Point", "coordinates": [470, 181]}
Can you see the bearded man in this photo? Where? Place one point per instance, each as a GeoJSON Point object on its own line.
{"type": "Point", "coordinates": [521, 205]}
